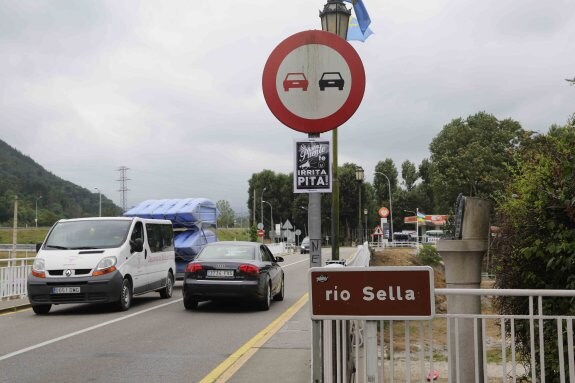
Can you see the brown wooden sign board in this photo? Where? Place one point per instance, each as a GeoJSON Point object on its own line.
{"type": "Point", "coordinates": [372, 293]}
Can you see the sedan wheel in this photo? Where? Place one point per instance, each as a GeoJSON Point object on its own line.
{"type": "Point", "coordinates": [190, 304]}
{"type": "Point", "coordinates": [266, 301]}
{"type": "Point", "coordinates": [280, 296]}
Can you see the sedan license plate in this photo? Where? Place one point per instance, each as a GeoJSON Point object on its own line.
{"type": "Point", "coordinates": [65, 290]}
{"type": "Point", "coordinates": [220, 273]}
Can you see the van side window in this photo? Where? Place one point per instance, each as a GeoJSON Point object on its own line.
{"type": "Point", "coordinates": [160, 237]}
{"type": "Point", "coordinates": [138, 232]}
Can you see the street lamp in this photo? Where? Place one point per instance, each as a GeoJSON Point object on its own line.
{"type": "Point", "coordinates": [262, 212]}
{"type": "Point", "coordinates": [359, 179]}
{"type": "Point", "coordinates": [271, 214]}
{"type": "Point", "coordinates": [335, 19]}
{"type": "Point", "coordinates": [390, 208]}
{"type": "Point", "coordinates": [36, 219]}
{"type": "Point", "coordinates": [99, 202]}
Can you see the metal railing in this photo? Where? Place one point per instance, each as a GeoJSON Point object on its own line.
{"type": "Point", "coordinates": [13, 277]}
{"type": "Point", "coordinates": [420, 351]}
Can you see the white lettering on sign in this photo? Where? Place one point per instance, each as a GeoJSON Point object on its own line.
{"type": "Point", "coordinates": [312, 181]}
{"type": "Point", "coordinates": [393, 293]}
{"type": "Point", "coordinates": [336, 295]}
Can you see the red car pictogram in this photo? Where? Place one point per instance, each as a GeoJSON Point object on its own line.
{"type": "Point", "coordinates": [295, 80]}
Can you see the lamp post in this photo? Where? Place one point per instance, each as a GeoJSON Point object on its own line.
{"type": "Point", "coordinates": [390, 208]}
{"type": "Point", "coordinates": [262, 212]}
{"type": "Point", "coordinates": [335, 19]}
{"type": "Point", "coordinates": [36, 216]}
{"type": "Point", "coordinates": [99, 202]}
{"type": "Point", "coordinates": [416, 227]}
{"type": "Point", "coordinates": [271, 215]}
{"type": "Point", "coordinates": [359, 179]}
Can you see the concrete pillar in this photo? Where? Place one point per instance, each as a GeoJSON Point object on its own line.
{"type": "Point", "coordinates": [463, 259]}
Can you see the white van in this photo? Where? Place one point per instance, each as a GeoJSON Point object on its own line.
{"type": "Point", "coordinates": [99, 260]}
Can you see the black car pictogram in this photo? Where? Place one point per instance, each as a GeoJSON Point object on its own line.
{"type": "Point", "coordinates": [331, 80]}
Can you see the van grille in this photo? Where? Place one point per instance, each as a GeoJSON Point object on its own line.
{"type": "Point", "coordinates": [59, 273]}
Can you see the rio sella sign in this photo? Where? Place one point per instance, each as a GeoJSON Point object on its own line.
{"type": "Point", "coordinates": [373, 293]}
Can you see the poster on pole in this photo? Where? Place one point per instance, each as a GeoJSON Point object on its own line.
{"type": "Point", "coordinates": [312, 172]}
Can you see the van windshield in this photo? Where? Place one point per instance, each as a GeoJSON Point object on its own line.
{"type": "Point", "coordinates": [97, 234]}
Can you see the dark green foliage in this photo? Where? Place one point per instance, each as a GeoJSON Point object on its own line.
{"type": "Point", "coordinates": [22, 177]}
{"type": "Point", "coordinates": [536, 249]}
{"type": "Point", "coordinates": [472, 156]}
{"type": "Point", "coordinates": [429, 256]}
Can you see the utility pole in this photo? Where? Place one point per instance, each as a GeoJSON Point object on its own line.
{"type": "Point", "coordinates": [124, 186]}
{"type": "Point", "coordinates": [14, 231]}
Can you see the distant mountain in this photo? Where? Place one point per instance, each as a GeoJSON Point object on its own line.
{"type": "Point", "coordinates": [21, 176]}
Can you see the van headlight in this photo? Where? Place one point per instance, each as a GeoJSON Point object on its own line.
{"type": "Point", "coordinates": [39, 268]}
{"type": "Point", "coordinates": [105, 266]}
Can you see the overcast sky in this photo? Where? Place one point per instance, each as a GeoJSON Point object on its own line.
{"type": "Point", "coordinates": [172, 89]}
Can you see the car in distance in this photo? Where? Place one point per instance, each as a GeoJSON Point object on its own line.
{"type": "Point", "coordinates": [295, 80]}
{"type": "Point", "coordinates": [304, 246]}
{"type": "Point", "coordinates": [331, 80]}
{"type": "Point", "coordinates": [234, 270]}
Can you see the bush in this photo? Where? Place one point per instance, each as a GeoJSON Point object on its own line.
{"type": "Point", "coordinates": [428, 255]}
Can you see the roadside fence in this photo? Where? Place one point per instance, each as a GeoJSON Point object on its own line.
{"type": "Point", "coordinates": [13, 277]}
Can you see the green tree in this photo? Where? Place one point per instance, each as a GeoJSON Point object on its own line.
{"type": "Point", "coordinates": [380, 184]}
{"type": "Point", "coordinates": [536, 249]}
{"type": "Point", "coordinates": [409, 174]}
{"type": "Point", "coordinates": [471, 156]}
{"type": "Point", "coordinates": [227, 214]}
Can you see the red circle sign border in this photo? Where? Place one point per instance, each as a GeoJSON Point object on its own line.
{"type": "Point", "coordinates": [383, 212]}
{"type": "Point", "coordinates": [337, 118]}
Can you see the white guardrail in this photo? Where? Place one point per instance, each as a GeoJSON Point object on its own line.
{"type": "Point", "coordinates": [13, 274]}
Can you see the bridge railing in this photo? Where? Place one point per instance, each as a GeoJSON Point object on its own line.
{"type": "Point", "coordinates": [423, 350]}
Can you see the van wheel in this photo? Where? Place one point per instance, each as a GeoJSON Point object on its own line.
{"type": "Point", "coordinates": [125, 295]}
{"type": "Point", "coordinates": [167, 291]}
{"type": "Point", "coordinates": [41, 309]}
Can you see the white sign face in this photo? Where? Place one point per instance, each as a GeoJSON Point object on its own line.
{"type": "Point", "coordinates": [317, 91]}
{"type": "Point", "coordinates": [312, 172]}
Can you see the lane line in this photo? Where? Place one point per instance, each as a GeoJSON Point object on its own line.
{"type": "Point", "coordinates": [79, 332]}
{"type": "Point", "coordinates": [228, 367]}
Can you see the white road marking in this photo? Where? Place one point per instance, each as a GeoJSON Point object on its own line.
{"type": "Point", "coordinates": [79, 332]}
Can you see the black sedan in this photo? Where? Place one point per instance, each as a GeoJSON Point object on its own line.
{"type": "Point", "coordinates": [234, 270]}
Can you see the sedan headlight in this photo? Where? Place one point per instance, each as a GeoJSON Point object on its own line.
{"type": "Point", "coordinates": [105, 266]}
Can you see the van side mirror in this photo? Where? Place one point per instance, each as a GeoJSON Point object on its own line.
{"type": "Point", "coordinates": [279, 259]}
{"type": "Point", "coordinates": [38, 247]}
{"type": "Point", "coordinates": [137, 245]}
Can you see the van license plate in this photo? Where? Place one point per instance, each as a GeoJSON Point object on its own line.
{"type": "Point", "coordinates": [65, 290]}
{"type": "Point", "coordinates": [220, 273]}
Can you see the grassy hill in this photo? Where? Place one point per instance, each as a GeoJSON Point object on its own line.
{"type": "Point", "coordinates": [21, 176]}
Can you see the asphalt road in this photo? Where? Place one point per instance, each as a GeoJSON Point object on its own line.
{"type": "Point", "coordinates": [156, 340]}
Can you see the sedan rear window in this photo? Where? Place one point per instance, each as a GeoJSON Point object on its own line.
{"type": "Point", "coordinates": [227, 252]}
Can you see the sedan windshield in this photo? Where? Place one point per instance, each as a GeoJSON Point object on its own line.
{"type": "Point", "coordinates": [227, 252]}
{"type": "Point", "coordinates": [97, 234]}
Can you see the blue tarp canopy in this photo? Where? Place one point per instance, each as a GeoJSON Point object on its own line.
{"type": "Point", "coordinates": [190, 242]}
{"type": "Point", "coordinates": [187, 212]}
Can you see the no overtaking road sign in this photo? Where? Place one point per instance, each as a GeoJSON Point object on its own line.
{"type": "Point", "coordinates": [313, 81]}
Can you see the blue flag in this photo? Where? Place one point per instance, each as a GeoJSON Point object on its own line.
{"type": "Point", "coordinates": [361, 13]}
{"type": "Point", "coordinates": [354, 33]}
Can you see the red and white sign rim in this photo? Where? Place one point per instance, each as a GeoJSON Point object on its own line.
{"type": "Point", "coordinates": [337, 118]}
{"type": "Point", "coordinates": [383, 212]}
